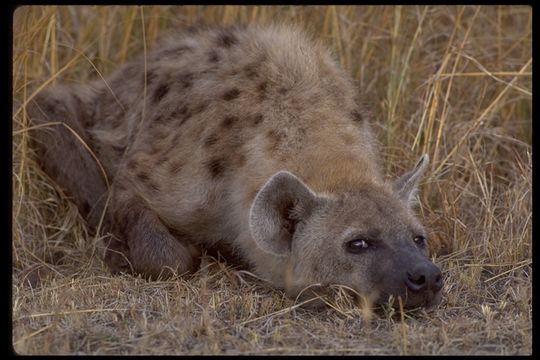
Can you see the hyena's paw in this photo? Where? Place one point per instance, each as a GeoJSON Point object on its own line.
{"type": "Point", "coordinates": [165, 258]}
{"type": "Point", "coordinates": [151, 249]}
{"type": "Point", "coordinates": [117, 257]}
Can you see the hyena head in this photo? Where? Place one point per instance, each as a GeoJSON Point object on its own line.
{"type": "Point", "coordinates": [367, 239]}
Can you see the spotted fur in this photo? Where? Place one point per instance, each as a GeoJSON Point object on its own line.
{"type": "Point", "coordinates": [226, 109]}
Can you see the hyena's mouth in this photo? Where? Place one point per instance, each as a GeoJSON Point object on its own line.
{"type": "Point", "coordinates": [427, 299]}
{"type": "Point", "coordinates": [411, 300]}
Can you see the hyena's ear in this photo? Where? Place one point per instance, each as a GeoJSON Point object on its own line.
{"type": "Point", "coordinates": [406, 185]}
{"type": "Point", "coordinates": [277, 209]}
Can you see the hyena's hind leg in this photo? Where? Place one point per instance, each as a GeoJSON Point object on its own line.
{"type": "Point", "coordinates": [142, 243]}
{"type": "Point", "coordinates": [61, 153]}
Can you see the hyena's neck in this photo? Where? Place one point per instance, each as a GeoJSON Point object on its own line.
{"type": "Point", "coordinates": [338, 167]}
{"type": "Point", "coordinates": [334, 174]}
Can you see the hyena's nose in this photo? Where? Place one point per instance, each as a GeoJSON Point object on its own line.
{"type": "Point", "coordinates": [424, 276]}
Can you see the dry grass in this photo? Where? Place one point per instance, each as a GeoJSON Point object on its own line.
{"type": "Point", "coordinates": [454, 82]}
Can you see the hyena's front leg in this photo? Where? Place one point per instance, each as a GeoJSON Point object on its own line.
{"type": "Point", "coordinates": [143, 244]}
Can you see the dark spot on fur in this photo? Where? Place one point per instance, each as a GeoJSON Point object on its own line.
{"type": "Point", "coordinates": [251, 71]}
{"type": "Point", "coordinates": [211, 140]}
{"type": "Point", "coordinates": [176, 166]}
{"type": "Point", "coordinates": [229, 121]}
{"type": "Point", "coordinates": [226, 39]}
{"type": "Point", "coordinates": [257, 119]}
{"type": "Point", "coordinates": [86, 207]}
{"type": "Point", "coordinates": [231, 94]}
{"type": "Point", "coordinates": [160, 92]}
{"type": "Point", "coordinates": [58, 107]}
{"type": "Point", "coordinates": [152, 185]}
{"type": "Point", "coordinates": [49, 108]}
{"type": "Point", "coordinates": [213, 57]}
{"type": "Point", "coordinates": [261, 88]}
{"type": "Point", "coordinates": [87, 121]}
{"type": "Point", "coordinates": [273, 135]}
{"type": "Point", "coordinates": [274, 138]}
{"type": "Point", "coordinates": [157, 119]}
{"type": "Point", "coordinates": [182, 120]}
{"type": "Point", "coordinates": [186, 80]}
{"type": "Point", "coordinates": [283, 90]}
{"type": "Point", "coordinates": [216, 167]}
{"type": "Point", "coordinates": [145, 179]}
{"type": "Point", "coordinates": [357, 116]}
{"type": "Point", "coordinates": [143, 176]}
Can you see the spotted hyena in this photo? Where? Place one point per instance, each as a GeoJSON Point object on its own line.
{"type": "Point", "coordinates": [247, 140]}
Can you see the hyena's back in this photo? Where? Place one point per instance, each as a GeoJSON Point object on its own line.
{"type": "Point", "coordinates": [211, 95]}
{"type": "Point", "coordinates": [189, 133]}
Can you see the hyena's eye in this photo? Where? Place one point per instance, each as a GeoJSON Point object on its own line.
{"type": "Point", "coordinates": [420, 240]}
{"type": "Point", "coordinates": [356, 246]}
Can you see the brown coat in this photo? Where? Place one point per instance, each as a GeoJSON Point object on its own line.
{"type": "Point", "coordinates": [245, 139]}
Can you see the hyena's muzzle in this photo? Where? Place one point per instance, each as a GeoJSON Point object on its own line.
{"type": "Point", "coordinates": [414, 279]}
{"type": "Point", "coordinates": [424, 284]}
